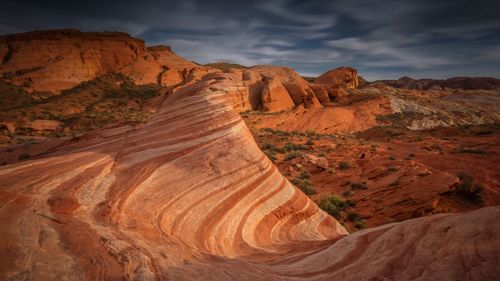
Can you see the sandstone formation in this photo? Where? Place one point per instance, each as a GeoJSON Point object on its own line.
{"type": "Point", "coordinates": [51, 61]}
{"type": "Point", "coordinates": [342, 77]}
{"type": "Point", "coordinates": [332, 84]}
{"type": "Point", "coordinates": [191, 196]}
{"type": "Point", "coordinates": [275, 97]}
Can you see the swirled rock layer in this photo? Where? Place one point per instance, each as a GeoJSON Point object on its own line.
{"type": "Point", "coordinates": [189, 196]}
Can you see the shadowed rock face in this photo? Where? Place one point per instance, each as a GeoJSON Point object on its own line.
{"type": "Point", "coordinates": [190, 196]}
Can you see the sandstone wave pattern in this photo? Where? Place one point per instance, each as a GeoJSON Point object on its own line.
{"type": "Point", "coordinates": [189, 196]}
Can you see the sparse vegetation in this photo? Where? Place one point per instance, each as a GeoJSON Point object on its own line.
{"type": "Point", "coordinates": [392, 169]}
{"type": "Point", "coordinates": [292, 155]}
{"type": "Point", "coordinates": [468, 189]}
{"type": "Point", "coordinates": [334, 205]}
{"type": "Point", "coordinates": [305, 185]}
{"type": "Point", "coordinates": [395, 183]}
{"type": "Point", "coordinates": [344, 165]}
{"type": "Point", "coordinates": [473, 151]}
{"type": "Point", "coordinates": [359, 185]}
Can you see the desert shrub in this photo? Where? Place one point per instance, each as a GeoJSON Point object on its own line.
{"type": "Point", "coordinates": [268, 146]}
{"type": "Point", "coordinates": [310, 142]}
{"type": "Point", "coordinates": [353, 217]}
{"type": "Point", "coordinates": [304, 175]}
{"type": "Point", "coordinates": [391, 158]}
{"type": "Point", "coordinates": [392, 169]}
{"type": "Point", "coordinates": [468, 189]}
{"type": "Point", "coordinates": [305, 185]}
{"type": "Point", "coordinates": [292, 155]}
{"type": "Point", "coordinates": [334, 205]}
{"type": "Point", "coordinates": [473, 151]}
{"type": "Point", "coordinates": [395, 183]}
{"type": "Point", "coordinates": [271, 155]}
{"type": "Point", "coordinates": [360, 224]}
{"type": "Point", "coordinates": [358, 185]}
{"type": "Point", "coordinates": [344, 165]}
{"type": "Point", "coordinates": [347, 193]}
{"type": "Point", "coordinates": [290, 146]}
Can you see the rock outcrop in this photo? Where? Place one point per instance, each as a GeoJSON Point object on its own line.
{"type": "Point", "coordinates": [190, 194]}
{"type": "Point", "coordinates": [342, 77]}
{"type": "Point", "coordinates": [51, 61]}
{"type": "Point", "coordinates": [332, 84]}
{"type": "Point", "coordinates": [275, 96]}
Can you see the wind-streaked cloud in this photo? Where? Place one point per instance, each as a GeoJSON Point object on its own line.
{"type": "Point", "coordinates": [382, 39]}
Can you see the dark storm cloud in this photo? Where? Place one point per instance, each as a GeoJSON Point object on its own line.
{"type": "Point", "coordinates": [381, 38]}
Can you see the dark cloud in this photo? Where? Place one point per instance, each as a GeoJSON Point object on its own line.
{"type": "Point", "coordinates": [383, 39]}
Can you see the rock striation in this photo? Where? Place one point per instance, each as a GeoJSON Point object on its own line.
{"type": "Point", "coordinates": [190, 194]}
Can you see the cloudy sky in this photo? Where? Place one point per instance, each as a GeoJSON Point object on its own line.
{"type": "Point", "coordinates": [382, 39]}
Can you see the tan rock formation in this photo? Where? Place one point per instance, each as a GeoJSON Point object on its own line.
{"type": "Point", "coordinates": [275, 97]}
{"type": "Point", "coordinates": [297, 87]}
{"type": "Point", "coordinates": [190, 196]}
{"type": "Point", "coordinates": [332, 84]}
{"type": "Point", "coordinates": [342, 77]}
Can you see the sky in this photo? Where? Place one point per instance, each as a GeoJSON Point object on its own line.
{"type": "Point", "coordinates": [383, 39]}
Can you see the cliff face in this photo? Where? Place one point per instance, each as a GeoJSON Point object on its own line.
{"type": "Point", "coordinates": [190, 194]}
{"type": "Point", "coordinates": [51, 61]}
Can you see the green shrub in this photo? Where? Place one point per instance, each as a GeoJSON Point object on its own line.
{"type": "Point", "coordinates": [467, 188]}
{"type": "Point", "coordinates": [268, 146]}
{"type": "Point", "coordinates": [360, 224]}
{"type": "Point", "coordinates": [353, 217]}
{"type": "Point", "coordinates": [292, 155]}
{"type": "Point", "coordinates": [304, 185]}
{"type": "Point", "coordinates": [347, 193]}
{"type": "Point", "coordinates": [395, 183]}
{"type": "Point", "coordinates": [358, 185]}
{"type": "Point", "coordinates": [271, 155]}
{"type": "Point", "coordinates": [293, 147]}
{"type": "Point", "coordinates": [304, 175]}
{"type": "Point", "coordinates": [392, 169]}
{"type": "Point", "coordinates": [344, 165]}
{"type": "Point", "coordinates": [334, 205]}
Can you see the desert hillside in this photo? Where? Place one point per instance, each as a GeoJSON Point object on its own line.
{"type": "Point", "coordinates": [127, 162]}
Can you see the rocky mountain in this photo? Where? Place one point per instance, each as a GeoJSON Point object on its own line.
{"type": "Point", "coordinates": [464, 83]}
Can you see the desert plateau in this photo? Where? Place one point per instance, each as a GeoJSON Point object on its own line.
{"type": "Point", "coordinates": [308, 143]}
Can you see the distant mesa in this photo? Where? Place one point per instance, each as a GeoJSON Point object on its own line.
{"type": "Point", "coordinates": [464, 83]}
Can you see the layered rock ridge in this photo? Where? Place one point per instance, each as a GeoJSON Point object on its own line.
{"type": "Point", "coordinates": [190, 195]}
